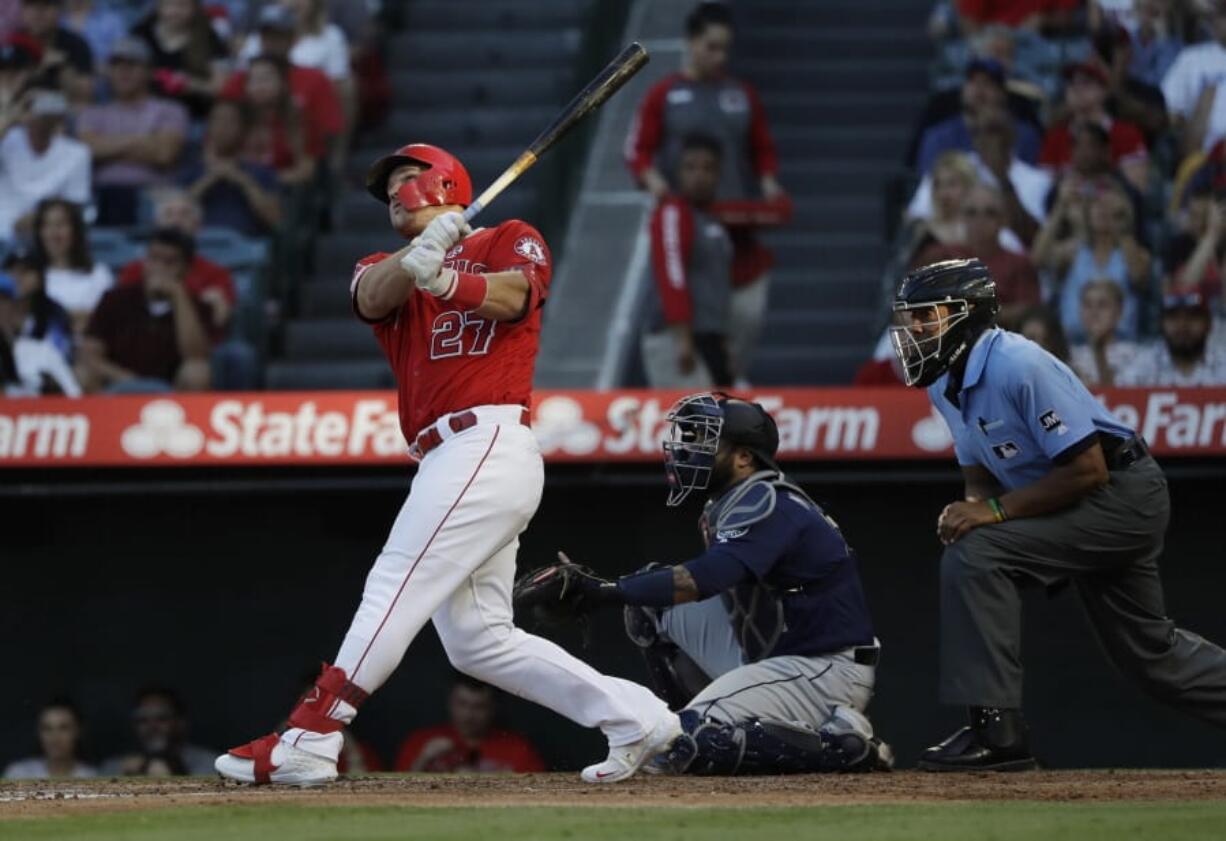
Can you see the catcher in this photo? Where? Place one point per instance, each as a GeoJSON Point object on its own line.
{"type": "Point", "coordinates": [764, 641]}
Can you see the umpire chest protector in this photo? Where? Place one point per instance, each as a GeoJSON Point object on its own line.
{"type": "Point", "coordinates": [755, 608]}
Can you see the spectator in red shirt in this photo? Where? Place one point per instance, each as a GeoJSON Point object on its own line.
{"type": "Point", "coordinates": [1017, 282]}
{"type": "Point", "coordinates": [704, 99]}
{"type": "Point", "coordinates": [686, 341]}
{"type": "Point", "coordinates": [1085, 100]}
{"type": "Point", "coordinates": [312, 90]}
{"type": "Point", "coordinates": [282, 136]}
{"type": "Point", "coordinates": [210, 284]}
{"type": "Point", "coordinates": [469, 741]}
{"type": "Point", "coordinates": [149, 338]}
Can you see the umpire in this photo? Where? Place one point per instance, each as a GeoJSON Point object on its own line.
{"type": "Point", "coordinates": [1056, 489]}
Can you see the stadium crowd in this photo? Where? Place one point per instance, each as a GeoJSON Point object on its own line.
{"type": "Point", "coordinates": [1076, 148]}
{"type": "Point", "coordinates": [165, 166]}
{"type": "Point", "coordinates": [158, 744]}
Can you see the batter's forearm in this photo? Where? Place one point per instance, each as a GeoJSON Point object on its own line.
{"type": "Point", "coordinates": [506, 296]}
{"type": "Point", "coordinates": [384, 287]}
{"type": "Point", "coordinates": [685, 588]}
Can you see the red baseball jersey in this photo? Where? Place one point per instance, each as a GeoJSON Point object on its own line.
{"type": "Point", "coordinates": [446, 360]}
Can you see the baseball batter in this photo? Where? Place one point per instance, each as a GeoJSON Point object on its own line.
{"type": "Point", "coordinates": [458, 314]}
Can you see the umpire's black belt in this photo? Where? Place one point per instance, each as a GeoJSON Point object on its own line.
{"type": "Point", "coordinates": [1123, 453]}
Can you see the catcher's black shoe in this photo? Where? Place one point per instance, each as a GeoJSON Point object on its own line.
{"type": "Point", "coordinates": [994, 741]}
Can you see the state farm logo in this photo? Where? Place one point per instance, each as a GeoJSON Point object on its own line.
{"type": "Point", "coordinates": [559, 425]}
{"type": "Point", "coordinates": [163, 428]}
{"type": "Point", "coordinates": [931, 434]}
{"type": "Point", "coordinates": [238, 429]}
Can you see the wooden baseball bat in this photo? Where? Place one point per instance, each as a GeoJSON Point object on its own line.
{"type": "Point", "coordinates": [606, 83]}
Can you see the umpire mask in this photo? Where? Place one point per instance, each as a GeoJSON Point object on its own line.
{"type": "Point", "coordinates": [695, 423]}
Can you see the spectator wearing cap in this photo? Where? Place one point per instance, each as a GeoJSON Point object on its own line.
{"type": "Point", "coordinates": [189, 57]}
{"type": "Point", "coordinates": [43, 319]}
{"type": "Point", "coordinates": [1099, 244]}
{"type": "Point", "coordinates": [313, 92]}
{"type": "Point", "coordinates": [1102, 355]}
{"type": "Point", "coordinates": [1024, 187]}
{"type": "Point", "coordinates": [29, 367]}
{"type": "Point", "coordinates": [705, 99]}
{"type": "Point", "coordinates": [136, 138]}
{"type": "Point", "coordinates": [314, 43]}
{"type": "Point", "coordinates": [1191, 85]}
{"type": "Point", "coordinates": [101, 27]}
{"type": "Point", "coordinates": [38, 161]}
{"type": "Point", "coordinates": [234, 193]}
{"type": "Point", "coordinates": [59, 742]}
{"type": "Point", "coordinates": [210, 284]}
{"type": "Point", "coordinates": [1195, 257]}
{"type": "Point", "coordinates": [1085, 100]}
{"type": "Point", "coordinates": [234, 363]}
{"type": "Point", "coordinates": [67, 62]}
{"type": "Point", "coordinates": [150, 337]}
{"type": "Point", "coordinates": [982, 91]}
{"type": "Point", "coordinates": [1017, 282]}
{"type": "Point", "coordinates": [685, 344]}
{"type": "Point", "coordinates": [61, 246]}
{"type": "Point", "coordinates": [1186, 355]}
{"type": "Point", "coordinates": [1090, 171]}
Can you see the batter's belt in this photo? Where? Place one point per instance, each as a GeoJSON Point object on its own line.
{"type": "Point", "coordinates": [432, 436]}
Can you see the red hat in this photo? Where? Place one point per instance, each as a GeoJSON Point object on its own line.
{"type": "Point", "coordinates": [445, 181]}
{"type": "Point", "coordinates": [1087, 68]}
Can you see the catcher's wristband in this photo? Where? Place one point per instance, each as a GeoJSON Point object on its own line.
{"type": "Point", "coordinates": [653, 588]}
{"type": "Point", "coordinates": [998, 510]}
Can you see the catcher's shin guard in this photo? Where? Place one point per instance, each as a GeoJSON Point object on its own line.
{"type": "Point", "coordinates": [755, 746]}
{"type": "Point", "coordinates": [674, 676]}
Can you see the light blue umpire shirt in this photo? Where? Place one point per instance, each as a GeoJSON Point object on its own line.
{"type": "Point", "coordinates": [1020, 410]}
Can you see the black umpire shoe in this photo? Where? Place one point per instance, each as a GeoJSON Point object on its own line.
{"type": "Point", "coordinates": [994, 741]}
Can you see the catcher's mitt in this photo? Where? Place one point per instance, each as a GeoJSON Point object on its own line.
{"type": "Point", "coordinates": [559, 593]}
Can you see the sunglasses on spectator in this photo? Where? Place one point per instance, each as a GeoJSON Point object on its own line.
{"type": "Point", "coordinates": [152, 718]}
{"type": "Point", "coordinates": [972, 210]}
{"type": "Point", "coordinates": [1185, 301]}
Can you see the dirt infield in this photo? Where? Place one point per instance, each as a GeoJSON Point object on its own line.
{"type": "Point", "coordinates": [35, 799]}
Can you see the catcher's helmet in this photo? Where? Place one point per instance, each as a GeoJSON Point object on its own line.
{"type": "Point", "coordinates": [698, 423]}
{"type": "Point", "coordinates": [445, 180]}
{"type": "Point", "coordinates": [928, 347]}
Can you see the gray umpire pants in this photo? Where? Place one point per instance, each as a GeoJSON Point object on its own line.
{"type": "Point", "coordinates": [1108, 545]}
{"type": "Point", "coordinates": [788, 688]}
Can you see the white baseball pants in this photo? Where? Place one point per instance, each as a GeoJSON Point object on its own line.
{"type": "Point", "coordinates": [451, 557]}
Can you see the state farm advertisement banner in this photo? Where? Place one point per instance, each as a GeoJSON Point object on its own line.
{"type": "Point", "coordinates": [348, 428]}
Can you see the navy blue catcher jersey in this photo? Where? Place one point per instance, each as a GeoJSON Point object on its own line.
{"type": "Point", "coordinates": [800, 555]}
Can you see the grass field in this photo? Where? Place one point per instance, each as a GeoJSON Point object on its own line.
{"type": "Point", "coordinates": [1052, 806]}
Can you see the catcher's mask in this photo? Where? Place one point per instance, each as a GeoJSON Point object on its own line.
{"type": "Point", "coordinates": [697, 424]}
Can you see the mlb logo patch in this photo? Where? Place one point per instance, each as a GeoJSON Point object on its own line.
{"type": "Point", "coordinates": [1006, 450]}
{"type": "Point", "coordinates": [1051, 422]}
{"type": "Point", "coordinates": [532, 248]}
{"type": "Point", "coordinates": [730, 534]}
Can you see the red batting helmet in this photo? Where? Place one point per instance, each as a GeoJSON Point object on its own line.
{"type": "Point", "coordinates": [445, 181]}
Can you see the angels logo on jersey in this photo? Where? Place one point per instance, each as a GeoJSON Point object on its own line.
{"type": "Point", "coordinates": [532, 248]}
{"type": "Point", "coordinates": [455, 252]}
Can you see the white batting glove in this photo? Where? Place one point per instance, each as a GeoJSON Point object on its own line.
{"type": "Point", "coordinates": [423, 262]}
{"type": "Point", "coordinates": [446, 230]}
